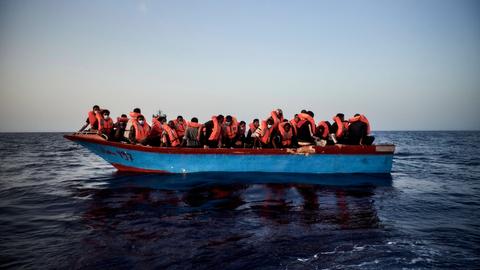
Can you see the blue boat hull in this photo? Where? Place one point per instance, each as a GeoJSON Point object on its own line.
{"type": "Point", "coordinates": [144, 159]}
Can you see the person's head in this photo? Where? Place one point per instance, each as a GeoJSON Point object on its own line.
{"type": "Point", "coordinates": [106, 114]}
{"type": "Point", "coordinates": [303, 111]}
{"type": "Point", "coordinates": [141, 120]}
{"type": "Point", "coordinates": [162, 119]}
{"type": "Point", "coordinates": [296, 117]}
{"type": "Point", "coordinates": [96, 108]}
{"type": "Point", "coordinates": [228, 120]}
{"type": "Point", "coordinates": [180, 118]}
{"type": "Point", "coordinates": [242, 124]}
{"type": "Point", "coordinates": [356, 115]}
{"type": "Point", "coordinates": [341, 116]}
{"type": "Point", "coordinates": [171, 124]}
{"type": "Point", "coordinates": [256, 122]}
{"type": "Point", "coordinates": [137, 110]}
{"type": "Point", "coordinates": [220, 118]}
{"type": "Point", "coordinates": [279, 112]}
{"type": "Point", "coordinates": [311, 113]}
{"type": "Point", "coordinates": [287, 127]}
{"type": "Point", "coordinates": [270, 122]}
{"type": "Point", "coordinates": [194, 120]}
{"type": "Point", "coordinates": [123, 116]}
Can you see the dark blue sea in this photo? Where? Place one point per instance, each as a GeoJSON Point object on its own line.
{"type": "Point", "coordinates": [63, 207]}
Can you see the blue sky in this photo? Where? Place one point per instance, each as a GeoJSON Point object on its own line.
{"type": "Point", "coordinates": [407, 65]}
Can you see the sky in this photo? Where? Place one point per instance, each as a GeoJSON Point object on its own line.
{"type": "Point", "coordinates": [406, 65]}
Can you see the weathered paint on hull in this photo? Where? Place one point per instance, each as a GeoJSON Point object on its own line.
{"type": "Point", "coordinates": [149, 161]}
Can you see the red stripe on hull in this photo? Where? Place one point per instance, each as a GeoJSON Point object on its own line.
{"type": "Point", "coordinates": [123, 168]}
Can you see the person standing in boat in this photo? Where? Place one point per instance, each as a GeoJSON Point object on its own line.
{"type": "Point", "coordinates": [92, 119]}
{"type": "Point", "coordinates": [139, 130]}
{"type": "Point", "coordinates": [359, 130]}
{"type": "Point", "coordinates": [192, 134]}
{"type": "Point", "coordinates": [277, 116]}
{"type": "Point", "coordinates": [213, 132]}
{"type": "Point", "coordinates": [105, 124]}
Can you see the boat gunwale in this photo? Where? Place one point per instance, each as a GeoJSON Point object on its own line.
{"type": "Point", "coordinates": [329, 149]}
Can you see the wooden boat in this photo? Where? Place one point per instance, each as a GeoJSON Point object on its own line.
{"type": "Point", "coordinates": [309, 159]}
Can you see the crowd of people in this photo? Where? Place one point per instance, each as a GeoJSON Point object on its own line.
{"type": "Point", "coordinates": [227, 132]}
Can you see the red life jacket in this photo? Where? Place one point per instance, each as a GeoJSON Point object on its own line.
{"type": "Point", "coordinates": [172, 135]}
{"type": "Point", "coordinates": [286, 136]}
{"type": "Point", "coordinates": [363, 119]}
{"type": "Point", "coordinates": [276, 120]}
{"type": "Point", "coordinates": [339, 133]}
{"type": "Point", "coordinates": [141, 132]}
{"type": "Point", "coordinates": [231, 131]}
{"type": "Point", "coordinates": [325, 128]}
{"type": "Point", "coordinates": [307, 117]}
{"type": "Point", "coordinates": [266, 132]}
{"type": "Point", "coordinates": [92, 117]}
{"type": "Point", "coordinates": [216, 131]}
{"type": "Point", "coordinates": [180, 127]}
{"type": "Point", "coordinates": [105, 126]}
{"type": "Point", "coordinates": [294, 125]}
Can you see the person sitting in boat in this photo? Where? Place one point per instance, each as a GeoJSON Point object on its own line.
{"type": "Point", "coordinates": [306, 128]}
{"type": "Point", "coordinates": [338, 130]}
{"type": "Point", "coordinates": [359, 130]}
{"type": "Point", "coordinates": [170, 137]}
{"type": "Point", "coordinates": [133, 116]}
{"type": "Point", "coordinates": [252, 127]}
{"type": "Point", "coordinates": [180, 127]}
{"type": "Point", "coordinates": [192, 134]}
{"type": "Point", "coordinates": [239, 141]}
{"type": "Point", "coordinates": [229, 131]}
{"type": "Point", "coordinates": [277, 117]}
{"type": "Point", "coordinates": [284, 136]}
{"type": "Point", "coordinates": [92, 120]}
{"type": "Point", "coordinates": [323, 129]}
{"type": "Point", "coordinates": [105, 124]}
{"type": "Point", "coordinates": [139, 130]}
{"type": "Point", "coordinates": [119, 127]}
{"type": "Point", "coordinates": [264, 140]}
{"type": "Point", "coordinates": [155, 136]}
{"type": "Point", "coordinates": [294, 123]}
{"type": "Point", "coordinates": [212, 135]}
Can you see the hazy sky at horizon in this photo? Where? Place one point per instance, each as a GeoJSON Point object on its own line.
{"type": "Point", "coordinates": [407, 65]}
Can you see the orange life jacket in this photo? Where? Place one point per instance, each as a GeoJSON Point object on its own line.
{"type": "Point", "coordinates": [134, 115]}
{"type": "Point", "coordinates": [325, 128]}
{"type": "Point", "coordinates": [122, 119]}
{"type": "Point", "coordinates": [92, 117]}
{"type": "Point", "coordinates": [180, 127]}
{"type": "Point", "coordinates": [156, 126]}
{"type": "Point", "coordinates": [294, 125]}
{"type": "Point", "coordinates": [339, 133]}
{"type": "Point", "coordinates": [231, 131]}
{"type": "Point", "coordinates": [363, 119]}
{"type": "Point", "coordinates": [307, 117]}
{"type": "Point", "coordinates": [105, 126]}
{"type": "Point", "coordinates": [276, 120]}
{"type": "Point", "coordinates": [266, 133]}
{"type": "Point", "coordinates": [216, 131]}
{"type": "Point", "coordinates": [141, 132]}
{"type": "Point", "coordinates": [286, 136]}
{"type": "Point", "coordinates": [172, 135]}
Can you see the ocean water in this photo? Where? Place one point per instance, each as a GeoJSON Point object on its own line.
{"type": "Point", "coordinates": [63, 207]}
